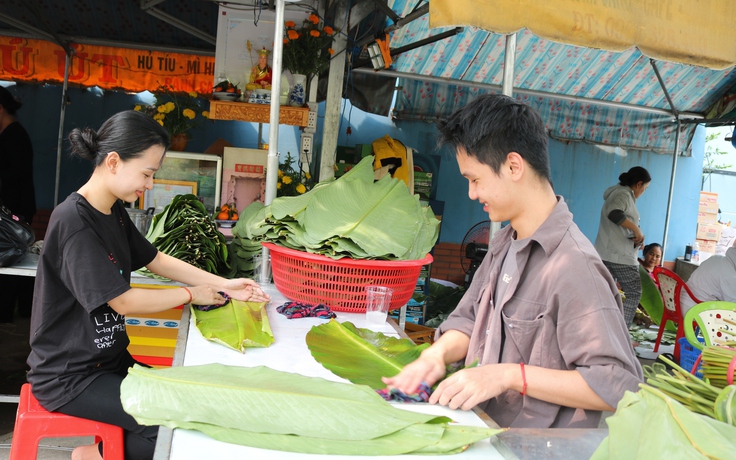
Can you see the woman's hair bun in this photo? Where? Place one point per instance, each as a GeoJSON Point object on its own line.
{"type": "Point", "coordinates": [84, 143]}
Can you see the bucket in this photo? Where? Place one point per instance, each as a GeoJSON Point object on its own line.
{"type": "Point", "coordinates": [141, 219]}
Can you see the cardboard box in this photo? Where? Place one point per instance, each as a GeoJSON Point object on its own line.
{"type": "Point", "coordinates": [708, 246]}
{"type": "Point", "coordinates": [708, 231]}
{"type": "Point", "coordinates": [707, 217]}
{"type": "Point", "coordinates": [708, 202]}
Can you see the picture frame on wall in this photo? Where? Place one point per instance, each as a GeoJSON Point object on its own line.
{"type": "Point", "coordinates": [186, 167]}
{"type": "Point", "coordinates": [163, 191]}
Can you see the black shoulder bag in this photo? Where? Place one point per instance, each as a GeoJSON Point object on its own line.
{"type": "Point", "coordinates": [15, 237]}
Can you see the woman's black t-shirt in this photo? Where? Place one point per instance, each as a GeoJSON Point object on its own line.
{"type": "Point", "coordinates": [86, 261]}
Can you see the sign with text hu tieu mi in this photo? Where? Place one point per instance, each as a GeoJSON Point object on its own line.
{"type": "Point", "coordinates": [40, 61]}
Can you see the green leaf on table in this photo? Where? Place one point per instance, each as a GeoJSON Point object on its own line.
{"type": "Point", "coordinates": [269, 409]}
{"type": "Point", "coordinates": [650, 424]}
{"type": "Point", "coordinates": [236, 325]}
{"type": "Point", "coordinates": [360, 355]}
{"type": "Point", "coordinates": [651, 299]}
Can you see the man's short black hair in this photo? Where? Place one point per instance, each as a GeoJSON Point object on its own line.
{"type": "Point", "coordinates": [492, 126]}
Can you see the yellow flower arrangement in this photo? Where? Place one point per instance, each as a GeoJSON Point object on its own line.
{"type": "Point", "coordinates": [178, 113]}
{"type": "Point", "coordinates": [307, 49]}
{"type": "Point", "coordinates": [292, 182]}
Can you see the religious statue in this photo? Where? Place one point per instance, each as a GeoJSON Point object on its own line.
{"type": "Point", "coordinates": [260, 74]}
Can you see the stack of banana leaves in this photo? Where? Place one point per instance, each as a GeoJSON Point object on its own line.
{"type": "Point", "coordinates": [352, 216]}
{"type": "Point", "coordinates": [270, 409]}
{"type": "Point", "coordinates": [186, 231]}
{"type": "Point", "coordinates": [675, 416]}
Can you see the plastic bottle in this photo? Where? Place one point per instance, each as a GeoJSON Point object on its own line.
{"type": "Point", "coordinates": [696, 252]}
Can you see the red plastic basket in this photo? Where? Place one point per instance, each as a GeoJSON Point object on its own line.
{"type": "Point", "coordinates": [340, 284]}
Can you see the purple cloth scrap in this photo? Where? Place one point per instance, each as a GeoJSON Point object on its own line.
{"type": "Point", "coordinates": [212, 307]}
{"type": "Point", "coordinates": [422, 394]}
{"type": "Point", "coordinates": [303, 310]}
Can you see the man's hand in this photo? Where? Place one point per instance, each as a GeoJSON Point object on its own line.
{"type": "Point", "coordinates": [468, 387]}
{"type": "Point", "coordinates": [429, 368]}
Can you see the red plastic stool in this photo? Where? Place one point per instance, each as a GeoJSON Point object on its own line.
{"type": "Point", "coordinates": [33, 423]}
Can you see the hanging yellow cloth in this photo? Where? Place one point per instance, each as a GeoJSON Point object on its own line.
{"type": "Point", "coordinates": [393, 157]}
{"type": "Point", "coordinates": [697, 32]}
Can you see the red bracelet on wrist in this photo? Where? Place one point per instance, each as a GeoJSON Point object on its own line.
{"type": "Point", "coordinates": [523, 379]}
{"type": "Point", "coordinates": [190, 295]}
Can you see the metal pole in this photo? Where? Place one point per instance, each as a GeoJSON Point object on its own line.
{"type": "Point", "coordinates": [61, 127]}
{"type": "Point", "coordinates": [672, 190]}
{"type": "Point", "coordinates": [272, 164]}
{"type": "Point", "coordinates": [509, 59]}
{"type": "Point", "coordinates": [674, 157]}
{"type": "Point", "coordinates": [273, 130]}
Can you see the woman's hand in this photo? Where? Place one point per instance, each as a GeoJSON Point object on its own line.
{"type": "Point", "coordinates": [638, 238]}
{"type": "Point", "coordinates": [246, 290]}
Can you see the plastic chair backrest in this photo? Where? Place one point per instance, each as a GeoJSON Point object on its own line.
{"type": "Point", "coordinates": [716, 319]}
{"type": "Point", "coordinates": [670, 285]}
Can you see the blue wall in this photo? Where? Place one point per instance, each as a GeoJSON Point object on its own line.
{"type": "Point", "coordinates": [580, 173]}
{"type": "Point", "coordinates": [40, 116]}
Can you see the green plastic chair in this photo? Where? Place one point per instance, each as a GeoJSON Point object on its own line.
{"type": "Point", "coordinates": [717, 321]}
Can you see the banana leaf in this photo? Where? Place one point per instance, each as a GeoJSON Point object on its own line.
{"type": "Point", "coordinates": [649, 424]}
{"type": "Point", "coordinates": [352, 216]}
{"type": "Point", "coordinates": [360, 355]}
{"type": "Point", "coordinates": [415, 439]}
{"type": "Point", "coordinates": [276, 410]}
{"type": "Point", "coordinates": [236, 325]}
{"type": "Point", "coordinates": [651, 299]}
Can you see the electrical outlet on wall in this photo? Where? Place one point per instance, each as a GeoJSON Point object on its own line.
{"type": "Point", "coordinates": [306, 148]}
{"type": "Point", "coordinates": [312, 120]}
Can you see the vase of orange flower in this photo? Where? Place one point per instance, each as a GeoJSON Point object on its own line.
{"type": "Point", "coordinates": [307, 52]}
{"type": "Point", "coordinates": [177, 112]}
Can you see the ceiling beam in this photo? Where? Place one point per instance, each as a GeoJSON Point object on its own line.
{"type": "Point", "coordinates": [530, 92]}
{"type": "Point", "coordinates": [176, 22]}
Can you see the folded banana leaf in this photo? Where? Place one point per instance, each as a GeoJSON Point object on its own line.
{"type": "Point", "coordinates": [352, 216]}
{"type": "Point", "coordinates": [649, 424]}
{"type": "Point", "coordinates": [269, 409]}
{"type": "Point", "coordinates": [236, 325]}
{"type": "Point", "coordinates": [360, 355]}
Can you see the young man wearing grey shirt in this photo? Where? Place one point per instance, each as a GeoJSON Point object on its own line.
{"type": "Point", "coordinates": [542, 316]}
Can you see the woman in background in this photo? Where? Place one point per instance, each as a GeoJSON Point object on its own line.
{"type": "Point", "coordinates": [17, 194]}
{"type": "Point", "coordinates": [619, 236]}
{"type": "Point", "coordinates": [79, 344]}
{"type": "Point", "coordinates": [652, 258]}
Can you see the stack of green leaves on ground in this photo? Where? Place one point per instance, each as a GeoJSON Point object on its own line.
{"type": "Point", "coordinates": [186, 231]}
{"type": "Point", "coordinates": [695, 394]}
{"type": "Point", "coordinates": [716, 361]}
{"type": "Point", "coordinates": [237, 325]}
{"type": "Point", "coordinates": [269, 409]}
{"type": "Point", "coordinates": [649, 424]}
{"type": "Point", "coordinates": [360, 355]}
{"type": "Point", "coordinates": [352, 216]}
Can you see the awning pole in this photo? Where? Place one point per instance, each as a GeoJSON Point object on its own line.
{"type": "Point", "coordinates": [674, 158]}
{"type": "Point", "coordinates": [61, 127]}
{"type": "Point", "coordinates": [507, 89]}
{"type": "Point", "coordinates": [272, 163]}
